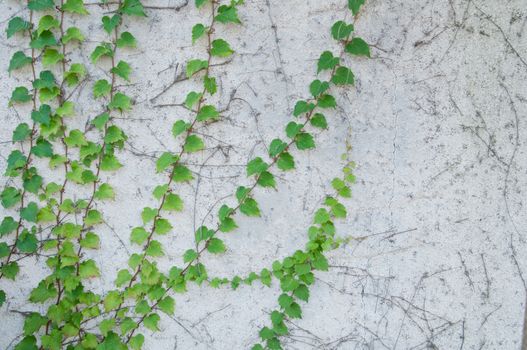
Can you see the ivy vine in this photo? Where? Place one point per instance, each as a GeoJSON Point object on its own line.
{"type": "Point", "coordinates": [47, 219]}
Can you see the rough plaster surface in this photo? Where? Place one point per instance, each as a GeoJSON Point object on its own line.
{"type": "Point", "coordinates": [437, 124]}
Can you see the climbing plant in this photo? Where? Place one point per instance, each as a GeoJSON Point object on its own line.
{"type": "Point", "coordinates": [46, 218]}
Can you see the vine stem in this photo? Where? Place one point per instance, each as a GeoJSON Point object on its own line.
{"type": "Point", "coordinates": [99, 160]}
{"type": "Point", "coordinates": [31, 141]}
{"type": "Point", "coordinates": [182, 150]}
{"type": "Point", "coordinates": [209, 33]}
{"type": "Point", "coordinates": [251, 188]}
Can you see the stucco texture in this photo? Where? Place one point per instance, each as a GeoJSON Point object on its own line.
{"type": "Point", "coordinates": [436, 121]}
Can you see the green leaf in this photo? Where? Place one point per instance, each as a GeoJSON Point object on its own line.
{"type": "Point", "coordinates": [179, 127]}
{"type": "Point", "coordinates": [266, 179]}
{"type": "Point", "coordinates": [133, 8]}
{"type": "Point", "coordinates": [123, 276]}
{"type": "Point", "coordinates": [29, 213]}
{"type": "Point", "coordinates": [285, 300]}
{"type": "Point", "coordinates": [216, 246]}
{"type": "Point", "coordinates": [292, 129]}
{"type": "Point", "coordinates": [200, 3]}
{"type": "Point", "coordinates": [15, 25]}
{"type": "Point", "coordinates": [136, 342]}
{"type": "Point", "coordinates": [72, 33]}
{"type": "Point", "coordinates": [182, 174]}
{"type": "Point", "coordinates": [286, 162]}
{"type": "Point", "coordinates": [88, 269]}
{"type": "Point", "coordinates": [15, 161]}
{"type": "Point", "coordinates": [192, 98]}
{"type": "Point", "coordinates": [321, 216]}
{"type": "Point", "coordinates": [122, 69]}
{"type": "Point", "coordinates": [319, 121]}
{"type": "Point", "coordinates": [19, 60]}
{"type": "Point", "coordinates": [105, 191]}
{"type": "Point", "coordinates": [46, 80]}
{"type": "Point", "coordinates": [327, 61]}
{"type": "Point", "coordinates": [110, 163]}
{"type": "Point", "coordinates": [302, 107]}
{"type": "Point", "coordinates": [207, 112]}
{"type": "Point", "coordinates": [256, 166]}
{"type": "Point", "coordinates": [101, 88]}
{"type": "Point", "coordinates": [173, 202]}
{"type": "Point", "coordinates": [327, 101]}
{"type": "Point", "coordinates": [42, 149]}
{"type": "Point", "coordinates": [148, 214]}
{"type": "Point", "coordinates": [43, 115]}
{"type": "Point", "coordinates": [203, 234]}
{"type": "Point", "coordinates": [7, 226]}
{"type": "Point", "coordinates": [276, 147]}
{"type": "Point", "coordinates": [47, 23]}
{"type": "Point", "coordinates": [227, 14]}
{"type": "Point", "coordinates": [321, 263]}
{"type": "Point", "coordinates": [21, 132]}
{"type": "Point", "coordinates": [227, 224]}
{"type": "Point", "coordinates": [221, 48]}
{"type": "Point", "coordinates": [28, 343]}
{"type": "Point", "coordinates": [100, 120]}
{"type": "Point", "coordinates": [9, 197]}
{"type": "Point", "coordinates": [112, 300]}
{"type": "Point", "coordinates": [51, 57]}
{"type": "Point", "coordinates": [27, 242]}
{"type": "Point", "coordinates": [197, 32]}
{"type": "Point", "coordinates": [304, 141]}
{"type": "Point", "coordinates": [40, 5]}
{"type": "Point", "coordinates": [162, 226]}
{"type": "Point", "coordinates": [106, 326]}
{"type": "Point", "coordinates": [167, 305]}
{"type": "Point", "coordinates": [154, 249]}
{"type": "Point", "coordinates": [75, 74]}
{"type": "Point", "coordinates": [101, 51]}
{"type": "Point", "coordinates": [42, 293]}
{"type": "Point", "coordinates": [138, 235]}
{"type": "Point", "coordinates": [190, 255]}
{"type": "Point", "coordinates": [20, 95]}
{"type": "Point", "coordinates": [151, 322]}
{"type": "Point", "coordinates": [250, 207]}
{"type": "Point", "coordinates": [194, 66]}
{"type": "Point", "coordinates": [266, 333]}
{"type": "Point", "coordinates": [121, 102]}
{"type": "Point", "coordinates": [109, 24]}
{"type": "Point", "coordinates": [114, 134]}
{"type": "Point", "coordinates": [164, 161]}
{"type": "Point", "coordinates": [318, 87]}
{"type": "Point", "coordinates": [354, 5]}
{"type": "Point", "coordinates": [10, 270]}
{"type": "Point", "coordinates": [75, 6]}
{"type": "Point", "coordinates": [126, 40]}
{"type": "Point", "coordinates": [294, 311]}
{"type": "Point", "coordinates": [210, 84]}
{"type": "Point", "coordinates": [193, 144]}
{"type": "Point", "coordinates": [46, 38]}
{"type": "Point", "coordinates": [33, 323]}
{"type": "Point", "coordinates": [93, 217]}
{"type": "Point", "coordinates": [358, 47]}
{"type": "Point", "coordinates": [90, 241]}
{"type": "Point", "coordinates": [340, 30]}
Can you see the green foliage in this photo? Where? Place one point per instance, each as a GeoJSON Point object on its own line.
{"type": "Point", "coordinates": [19, 60]}
{"type": "Point", "coordinates": [15, 25]}
{"type": "Point", "coordinates": [358, 47]}
{"type": "Point", "coordinates": [142, 288]}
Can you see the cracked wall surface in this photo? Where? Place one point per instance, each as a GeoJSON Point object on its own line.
{"type": "Point", "coordinates": [438, 129]}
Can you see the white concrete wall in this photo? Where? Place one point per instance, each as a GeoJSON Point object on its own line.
{"type": "Point", "coordinates": [438, 128]}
